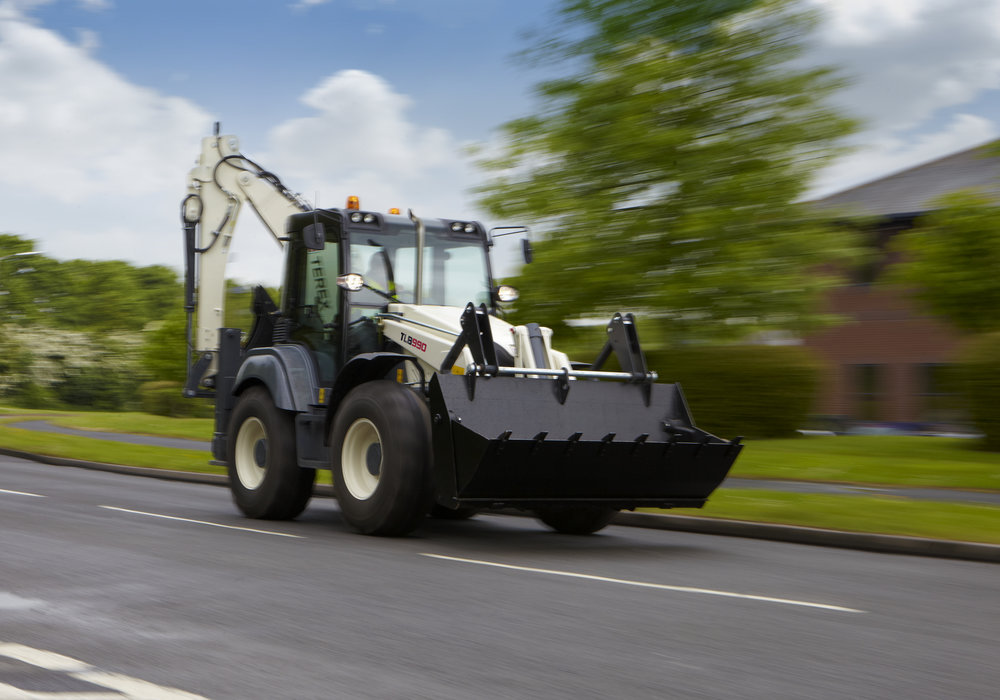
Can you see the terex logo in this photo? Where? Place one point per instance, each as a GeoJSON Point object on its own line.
{"type": "Point", "coordinates": [413, 342]}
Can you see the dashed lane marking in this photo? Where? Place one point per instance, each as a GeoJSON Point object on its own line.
{"type": "Point", "coordinates": [118, 686]}
{"type": "Point", "coordinates": [43, 659]}
{"type": "Point", "coordinates": [9, 692]}
{"type": "Point", "coordinates": [644, 584]}
{"type": "Point", "coordinates": [22, 493]}
{"type": "Point", "coordinates": [203, 522]}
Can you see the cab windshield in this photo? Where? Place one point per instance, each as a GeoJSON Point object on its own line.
{"type": "Point", "coordinates": [455, 270]}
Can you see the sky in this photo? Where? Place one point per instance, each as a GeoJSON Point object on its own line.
{"type": "Point", "coordinates": [103, 104]}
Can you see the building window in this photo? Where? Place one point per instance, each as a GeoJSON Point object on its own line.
{"type": "Point", "coordinates": [867, 391]}
{"type": "Point", "coordinates": [939, 401]}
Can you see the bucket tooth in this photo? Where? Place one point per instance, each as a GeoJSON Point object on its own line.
{"type": "Point", "coordinates": [604, 442]}
{"type": "Point", "coordinates": [537, 440]}
{"type": "Point", "coordinates": [501, 441]}
{"type": "Point", "coordinates": [571, 442]}
{"type": "Point", "coordinates": [639, 441]}
{"type": "Point", "coordinates": [701, 445]}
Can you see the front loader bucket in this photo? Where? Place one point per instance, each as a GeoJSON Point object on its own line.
{"type": "Point", "coordinates": [528, 442]}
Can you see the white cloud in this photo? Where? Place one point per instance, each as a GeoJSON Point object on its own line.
{"type": "Point", "coordinates": [359, 141]}
{"type": "Point", "coordinates": [860, 22]}
{"type": "Point", "coordinates": [909, 59]}
{"type": "Point", "coordinates": [94, 166]}
{"type": "Point", "coordinates": [916, 68]}
{"type": "Point", "coordinates": [71, 128]}
{"type": "Point", "coordinates": [87, 156]}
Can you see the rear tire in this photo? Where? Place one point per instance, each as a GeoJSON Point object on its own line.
{"type": "Point", "coordinates": [381, 456]}
{"type": "Point", "coordinates": [576, 520]}
{"type": "Point", "coordinates": [265, 480]}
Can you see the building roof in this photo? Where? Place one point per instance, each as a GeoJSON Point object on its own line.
{"type": "Point", "coordinates": [914, 190]}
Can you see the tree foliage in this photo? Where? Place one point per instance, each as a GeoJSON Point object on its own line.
{"type": "Point", "coordinates": [664, 171]}
{"type": "Point", "coordinates": [951, 258]}
{"type": "Point", "coordinates": [86, 295]}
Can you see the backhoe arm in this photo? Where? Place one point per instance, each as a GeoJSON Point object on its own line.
{"type": "Point", "coordinates": [218, 186]}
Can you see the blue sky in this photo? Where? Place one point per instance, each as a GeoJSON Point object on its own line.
{"type": "Point", "coordinates": [103, 103]}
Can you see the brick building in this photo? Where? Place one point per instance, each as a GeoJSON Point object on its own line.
{"type": "Point", "coordinates": [885, 363]}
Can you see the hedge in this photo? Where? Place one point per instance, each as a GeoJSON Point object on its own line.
{"type": "Point", "coordinates": [757, 391]}
{"type": "Point", "coordinates": [166, 399]}
{"type": "Point", "coordinates": [978, 376]}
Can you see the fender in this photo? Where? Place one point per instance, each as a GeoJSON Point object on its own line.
{"type": "Point", "coordinates": [288, 372]}
{"type": "Point", "coordinates": [363, 368]}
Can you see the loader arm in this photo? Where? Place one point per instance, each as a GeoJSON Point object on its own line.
{"type": "Point", "coordinates": [218, 186]}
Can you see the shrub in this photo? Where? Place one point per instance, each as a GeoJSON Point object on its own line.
{"type": "Point", "coordinates": [978, 378]}
{"type": "Point", "coordinates": [166, 399]}
{"type": "Point", "coordinates": [757, 391]}
{"type": "Point", "coordinates": [28, 393]}
{"type": "Point", "coordinates": [99, 386]}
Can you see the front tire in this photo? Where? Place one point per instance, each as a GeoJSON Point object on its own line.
{"type": "Point", "coordinates": [265, 480]}
{"type": "Point", "coordinates": [381, 456]}
{"type": "Point", "coordinates": [576, 520]}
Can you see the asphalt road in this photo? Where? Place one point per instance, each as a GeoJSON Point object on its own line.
{"type": "Point", "coordinates": [152, 585]}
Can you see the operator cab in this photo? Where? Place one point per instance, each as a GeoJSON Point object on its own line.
{"type": "Point", "coordinates": [338, 324]}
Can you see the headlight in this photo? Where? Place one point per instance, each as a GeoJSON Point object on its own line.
{"type": "Point", "coordinates": [352, 282]}
{"type": "Point", "coordinates": [506, 293]}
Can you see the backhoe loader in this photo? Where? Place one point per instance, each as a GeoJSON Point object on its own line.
{"type": "Point", "coordinates": [385, 361]}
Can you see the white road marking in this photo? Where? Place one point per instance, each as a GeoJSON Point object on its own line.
{"type": "Point", "coordinates": [22, 493]}
{"type": "Point", "coordinates": [643, 584]}
{"type": "Point", "coordinates": [11, 601]}
{"type": "Point", "coordinates": [204, 522]}
{"type": "Point", "coordinates": [135, 688]}
{"type": "Point", "coordinates": [9, 692]}
{"type": "Point", "coordinates": [123, 687]}
{"type": "Point", "coordinates": [42, 659]}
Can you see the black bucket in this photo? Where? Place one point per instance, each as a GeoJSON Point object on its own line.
{"type": "Point", "coordinates": [526, 442]}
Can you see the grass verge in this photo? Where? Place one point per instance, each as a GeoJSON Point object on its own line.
{"type": "Point", "coordinates": [93, 450]}
{"type": "Point", "coordinates": [887, 515]}
{"type": "Point", "coordinates": [133, 422]}
{"type": "Point", "coordinates": [877, 460]}
{"type": "Point", "coordinates": [138, 424]}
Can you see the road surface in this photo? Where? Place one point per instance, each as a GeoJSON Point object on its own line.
{"type": "Point", "coordinates": [161, 588]}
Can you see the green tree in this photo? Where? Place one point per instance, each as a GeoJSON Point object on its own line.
{"type": "Point", "coordinates": [664, 172]}
{"type": "Point", "coordinates": [101, 296]}
{"type": "Point", "coordinates": [950, 261]}
{"type": "Point", "coordinates": [164, 349]}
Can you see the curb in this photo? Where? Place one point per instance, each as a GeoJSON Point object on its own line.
{"type": "Point", "coordinates": [885, 544]}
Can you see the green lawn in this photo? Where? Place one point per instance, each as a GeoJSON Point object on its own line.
{"type": "Point", "coordinates": [883, 460]}
{"type": "Point", "coordinates": [139, 424]}
{"type": "Point", "coordinates": [883, 514]}
{"type": "Point", "coordinates": [90, 449]}
{"type": "Point", "coordinates": [136, 423]}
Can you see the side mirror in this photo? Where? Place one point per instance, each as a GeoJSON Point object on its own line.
{"type": "Point", "coordinates": [314, 236]}
{"type": "Point", "coordinates": [527, 251]}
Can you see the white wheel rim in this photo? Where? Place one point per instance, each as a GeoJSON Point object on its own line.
{"type": "Point", "coordinates": [361, 459]}
{"type": "Point", "coordinates": [251, 453]}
